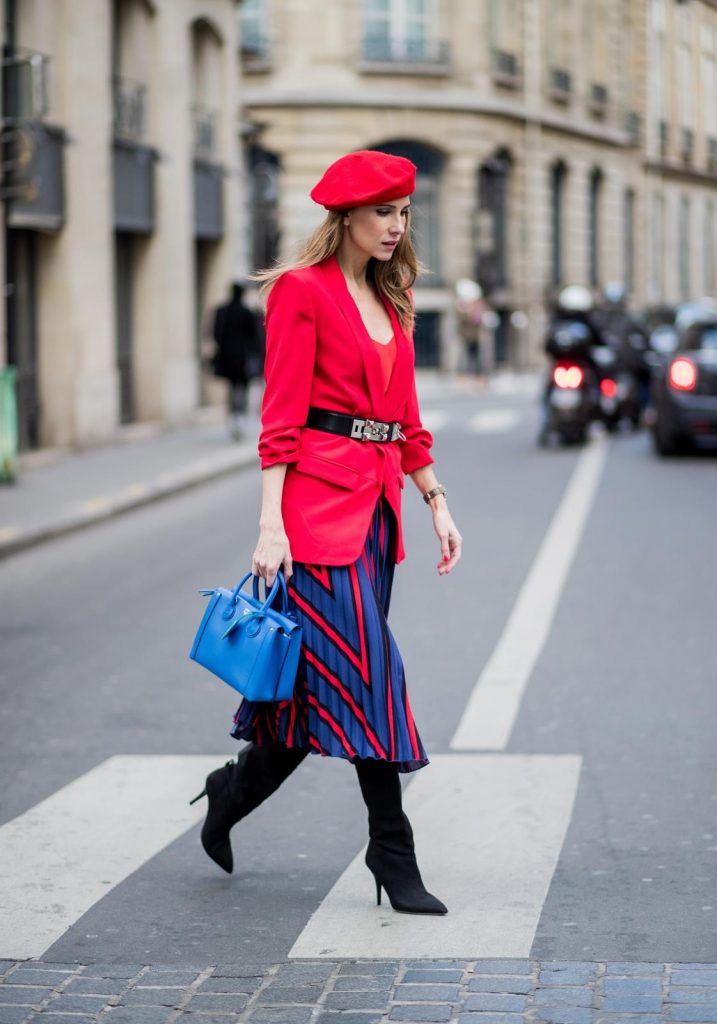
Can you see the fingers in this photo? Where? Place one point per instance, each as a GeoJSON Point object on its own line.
{"type": "Point", "coordinates": [450, 557]}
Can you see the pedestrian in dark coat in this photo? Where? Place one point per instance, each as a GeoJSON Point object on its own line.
{"type": "Point", "coordinates": [340, 429]}
{"type": "Point", "coordinates": [238, 357]}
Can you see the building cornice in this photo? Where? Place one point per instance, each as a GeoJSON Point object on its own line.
{"type": "Point", "coordinates": [676, 172]}
{"type": "Point", "coordinates": [261, 99]}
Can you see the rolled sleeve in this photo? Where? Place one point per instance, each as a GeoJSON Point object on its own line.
{"type": "Point", "coordinates": [416, 449]}
{"type": "Point", "coordinates": [288, 369]}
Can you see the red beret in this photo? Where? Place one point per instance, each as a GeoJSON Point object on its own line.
{"type": "Point", "coordinates": [364, 177]}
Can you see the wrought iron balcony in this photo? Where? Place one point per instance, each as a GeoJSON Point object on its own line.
{"type": "Point", "coordinates": [410, 52]}
{"type": "Point", "coordinates": [25, 86]}
{"type": "Point", "coordinates": [560, 84]}
{"type": "Point", "coordinates": [129, 100]}
{"type": "Point", "coordinates": [255, 51]}
{"type": "Point", "coordinates": [506, 68]}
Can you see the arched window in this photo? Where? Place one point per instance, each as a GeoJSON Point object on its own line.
{"type": "Point", "coordinates": [264, 196]}
{"type": "Point", "coordinates": [491, 240]}
{"type": "Point", "coordinates": [425, 203]}
{"type": "Point", "coordinates": [594, 194]}
{"type": "Point", "coordinates": [558, 174]}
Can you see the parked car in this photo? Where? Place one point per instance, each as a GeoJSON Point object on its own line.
{"type": "Point", "coordinates": [684, 383]}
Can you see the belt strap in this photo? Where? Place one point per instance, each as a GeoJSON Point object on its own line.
{"type": "Point", "coordinates": [353, 426]}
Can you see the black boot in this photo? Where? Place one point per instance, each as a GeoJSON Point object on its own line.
{"type": "Point", "coordinates": [390, 857]}
{"type": "Point", "coordinates": [238, 788]}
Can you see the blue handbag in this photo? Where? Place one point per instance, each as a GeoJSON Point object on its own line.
{"type": "Point", "coordinates": [251, 645]}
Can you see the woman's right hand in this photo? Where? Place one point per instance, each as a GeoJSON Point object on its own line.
{"type": "Point", "coordinates": [272, 552]}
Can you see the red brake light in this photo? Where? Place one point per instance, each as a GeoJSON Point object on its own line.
{"type": "Point", "coordinates": [568, 376]}
{"type": "Point", "coordinates": [608, 387]}
{"type": "Point", "coordinates": [683, 375]}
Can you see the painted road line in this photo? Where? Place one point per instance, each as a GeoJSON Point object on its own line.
{"type": "Point", "coordinates": [66, 853]}
{"type": "Point", "coordinates": [488, 719]}
{"type": "Point", "coordinates": [494, 421]}
{"type": "Point", "coordinates": [434, 420]}
{"type": "Point", "coordinates": [489, 829]}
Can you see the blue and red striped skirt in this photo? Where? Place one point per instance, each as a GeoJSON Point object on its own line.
{"type": "Point", "coordinates": [350, 698]}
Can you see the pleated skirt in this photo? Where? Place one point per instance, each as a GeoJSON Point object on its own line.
{"type": "Point", "coordinates": [350, 698]}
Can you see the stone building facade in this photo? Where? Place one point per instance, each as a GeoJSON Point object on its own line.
{"type": "Point", "coordinates": [535, 125]}
{"type": "Point", "coordinates": [122, 208]}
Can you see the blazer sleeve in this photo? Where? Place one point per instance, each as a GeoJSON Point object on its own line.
{"type": "Point", "coordinates": [416, 449]}
{"type": "Point", "coordinates": [288, 369]}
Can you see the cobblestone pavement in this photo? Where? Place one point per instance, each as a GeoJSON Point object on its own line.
{"type": "Point", "coordinates": [360, 992]}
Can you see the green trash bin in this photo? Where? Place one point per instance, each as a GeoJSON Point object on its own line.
{"type": "Point", "coordinates": [8, 425]}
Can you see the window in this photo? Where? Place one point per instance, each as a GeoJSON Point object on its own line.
{"type": "Point", "coordinates": [401, 30]}
{"type": "Point", "coordinates": [505, 18]}
{"type": "Point", "coordinates": [657, 247]}
{"type": "Point", "coordinates": [594, 227]}
{"type": "Point", "coordinates": [425, 202]}
{"type": "Point", "coordinates": [710, 279]}
{"type": "Point", "coordinates": [683, 247]}
{"type": "Point", "coordinates": [685, 89]}
{"type": "Point", "coordinates": [557, 192]}
{"type": "Point", "coordinates": [558, 35]}
{"type": "Point", "coordinates": [657, 62]}
{"type": "Point", "coordinates": [597, 38]}
{"type": "Point", "coordinates": [629, 240]}
{"type": "Point", "coordinates": [264, 215]}
{"type": "Point", "coordinates": [709, 79]}
{"type": "Point", "coordinates": [252, 29]}
{"type": "Point", "coordinates": [492, 225]}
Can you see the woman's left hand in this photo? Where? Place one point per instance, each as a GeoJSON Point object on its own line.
{"type": "Point", "coordinates": [448, 535]}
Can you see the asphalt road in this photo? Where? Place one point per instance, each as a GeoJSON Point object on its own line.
{"type": "Point", "coordinates": [94, 635]}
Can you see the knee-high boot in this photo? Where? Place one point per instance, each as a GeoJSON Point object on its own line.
{"type": "Point", "coordinates": [238, 788]}
{"type": "Point", "coordinates": [391, 857]}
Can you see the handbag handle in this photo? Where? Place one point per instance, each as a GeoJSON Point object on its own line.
{"type": "Point", "coordinates": [281, 583]}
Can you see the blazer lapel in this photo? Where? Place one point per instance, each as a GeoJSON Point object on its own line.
{"type": "Point", "coordinates": [367, 347]}
{"type": "Point", "coordinates": [397, 391]}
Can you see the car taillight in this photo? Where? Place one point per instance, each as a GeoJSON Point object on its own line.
{"type": "Point", "coordinates": [568, 376]}
{"type": "Point", "coordinates": [683, 375]}
{"type": "Point", "coordinates": [608, 387]}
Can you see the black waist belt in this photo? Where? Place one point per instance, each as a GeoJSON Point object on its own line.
{"type": "Point", "coordinates": [353, 426]}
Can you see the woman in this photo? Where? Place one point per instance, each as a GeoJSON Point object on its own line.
{"type": "Point", "coordinates": [340, 428]}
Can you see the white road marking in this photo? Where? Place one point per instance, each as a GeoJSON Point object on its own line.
{"type": "Point", "coordinates": [489, 829]}
{"type": "Point", "coordinates": [67, 852]}
{"type": "Point", "coordinates": [493, 421]}
{"type": "Point", "coordinates": [489, 716]}
{"type": "Point", "coordinates": [434, 419]}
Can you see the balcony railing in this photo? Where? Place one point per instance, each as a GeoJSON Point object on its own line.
{"type": "Point", "coordinates": [560, 84]}
{"type": "Point", "coordinates": [664, 138]}
{"type": "Point", "coordinates": [405, 51]}
{"type": "Point", "coordinates": [506, 68]}
{"type": "Point", "coordinates": [204, 121]}
{"type": "Point", "coordinates": [129, 109]}
{"type": "Point", "coordinates": [255, 50]}
{"type": "Point", "coordinates": [26, 89]}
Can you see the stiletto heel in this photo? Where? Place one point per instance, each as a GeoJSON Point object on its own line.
{"type": "Point", "coordinates": [198, 797]}
{"type": "Point", "coordinates": [378, 892]}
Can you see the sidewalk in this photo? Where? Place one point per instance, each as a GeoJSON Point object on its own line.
{"type": "Point", "coordinates": [60, 492]}
{"type": "Point", "coordinates": [360, 992]}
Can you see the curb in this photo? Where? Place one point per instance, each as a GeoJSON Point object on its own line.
{"type": "Point", "coordinates": [135, 497]}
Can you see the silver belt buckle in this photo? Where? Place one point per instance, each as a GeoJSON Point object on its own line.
{"type": "Point", "coordinates": [357, 430]}
{"type": "Point", "coordinates": [374, 430]}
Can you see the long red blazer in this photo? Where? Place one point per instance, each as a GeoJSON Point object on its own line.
{"type": "Point", "coordinates": [318, 353]}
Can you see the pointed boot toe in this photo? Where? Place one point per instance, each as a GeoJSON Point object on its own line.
{"type": "Point", "coordinates": [220, 851]}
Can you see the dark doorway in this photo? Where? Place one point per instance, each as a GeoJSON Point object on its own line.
{"type": "Point", "coordinates": [22, 332]}
{"type": "Point", "coordinates": [427, 339]}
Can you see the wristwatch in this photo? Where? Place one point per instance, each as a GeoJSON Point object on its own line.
{"type": "Point", "coordinates": [433, 493]}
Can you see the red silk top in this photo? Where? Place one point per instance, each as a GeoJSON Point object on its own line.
{"type": "Point", "coordinates": [387, 355]}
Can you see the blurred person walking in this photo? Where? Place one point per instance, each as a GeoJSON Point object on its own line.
{"type": "Point", "coordinates": [340, 428]}
{"type": "Point", "coordinates": [238, 357]}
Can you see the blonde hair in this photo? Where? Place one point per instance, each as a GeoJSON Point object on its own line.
{"type": "Point", "coordinates": [392, 278]}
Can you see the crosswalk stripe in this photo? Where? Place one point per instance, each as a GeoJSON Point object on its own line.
{"type": "Point", "coordinates": [493, 421]}
{"type": "Point", "coordinates": [70, 850]}
{"type": "Point", "coordinates": [489, 829]}
{"type": "Point", "coordinates": [488, 718]}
